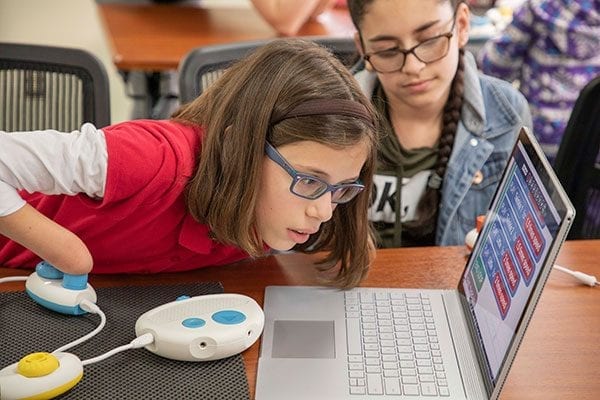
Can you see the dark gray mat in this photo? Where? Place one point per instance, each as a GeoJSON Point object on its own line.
{"type": "Point", "coordinates": [26, 327]}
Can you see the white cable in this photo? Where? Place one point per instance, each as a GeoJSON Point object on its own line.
{"type": "Point", "coordinates": [136, 343]}
{"type": "Point", "coordinates": [586, 279]}
{"type": "Point", "coordinates": [13, 279]}
{"type": "Point", "coordinates": [94, 309]}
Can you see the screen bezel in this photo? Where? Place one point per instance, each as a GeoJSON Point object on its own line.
{"type": "Point", "coordinates": [566, 213]}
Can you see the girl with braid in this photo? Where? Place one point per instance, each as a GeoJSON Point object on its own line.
{"type": "Point", "coordinates": [446, 129]}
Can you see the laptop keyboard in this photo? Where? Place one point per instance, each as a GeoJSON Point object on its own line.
{"type": "Point", "coordinates": [393, 346]}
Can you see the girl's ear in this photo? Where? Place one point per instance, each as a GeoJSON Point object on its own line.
{"type": "Point", "coordinates": [463, 23]}
{"type": "Point", "coordinates": [361, 50]}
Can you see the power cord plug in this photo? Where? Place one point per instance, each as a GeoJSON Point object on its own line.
{"type": "Point", "coordinates": [142, 341]}
{"type": "Point", "coordinates": [586, 279]}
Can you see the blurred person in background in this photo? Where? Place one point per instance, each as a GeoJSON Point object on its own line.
{"type": "Point", "coordinates": [288, 16]}
{"type": "Point", "coordinates": [551, 49]}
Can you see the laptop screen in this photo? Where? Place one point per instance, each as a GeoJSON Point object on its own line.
{"type": "Point", "coordinates": [517, 240]}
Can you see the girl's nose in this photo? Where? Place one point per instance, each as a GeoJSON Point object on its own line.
{"type": "Point", "coordinates": [412, 65]}
{"type": "Point", "coordinates": [321, 208]}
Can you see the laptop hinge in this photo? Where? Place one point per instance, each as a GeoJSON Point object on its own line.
{"type": "Point", "coordinates": [467, 355]}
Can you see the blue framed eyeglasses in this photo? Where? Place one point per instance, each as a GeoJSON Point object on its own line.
{"type": "Point", "coordinates": [311, 187]}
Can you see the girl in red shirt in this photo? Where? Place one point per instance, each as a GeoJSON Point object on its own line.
{"type": "Point", "coordinates": [277, 154]}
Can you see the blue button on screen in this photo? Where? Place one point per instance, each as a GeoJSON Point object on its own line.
{"type": "Point", "coordinates": [193, 322]}
{"type": "Point", "coordinates": [229, 317]}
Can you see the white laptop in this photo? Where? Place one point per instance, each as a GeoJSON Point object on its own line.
{"type": "Point", "coordinates": [375, 343]}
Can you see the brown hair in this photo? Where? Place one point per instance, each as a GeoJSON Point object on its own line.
{"type": "Point", "coordinates": [427, 209]}
{"type": "Point", "coordinates": [358, 8]}
{"type": "Point", "coordinates": [235, 112]}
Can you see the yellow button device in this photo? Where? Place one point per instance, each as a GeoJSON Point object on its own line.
{"type": "Point", "coordinates": [37, 364]}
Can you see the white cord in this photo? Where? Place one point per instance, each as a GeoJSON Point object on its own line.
{"type": "Point", "coordinates": [586, 279]}
{"type": "Point", "coordinates": [94, 309]}
{"type": "Point", "coordinates": [136, 343]}
{"type": "Point", "coordinates": [13, 279]}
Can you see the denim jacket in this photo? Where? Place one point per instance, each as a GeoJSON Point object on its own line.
{"type": "Point", "coordinates": [492, 114]}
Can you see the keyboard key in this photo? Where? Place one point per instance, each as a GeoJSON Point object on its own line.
{"type": "Point", "coordinates": [356, 374]}
{"type": "Point", "coordinates": [373, 369]}
{"type": "Point", "coordinates": [358, 390]}
{"type": "Point", "coordinates": [390, 365]}
{"type": "Point", "coordinates": [428, 389]}
{"type": "Point", "coordinates": [410, 390]}
{"type": "Point", "coordinates": [374, 384]}
{"type": "Point", "coordinates": [425, 370]}
{"type": "Point", "coordinates": [353, 336]}
{"type": "Point", "coordinates": [366, 297]}
{"type": "Point", "coordinates": [392, 386]}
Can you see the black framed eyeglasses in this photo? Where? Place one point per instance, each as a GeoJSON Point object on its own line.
{"type": "Point", "coordinates": [428, 51]}
{"type": "Point", "coordinates": [311, 187]}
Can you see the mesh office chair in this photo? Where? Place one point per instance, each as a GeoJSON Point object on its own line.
{"type": "Point", "coordinates": [577, 163]}
{"type": "Point", "coordinates": [203, 65]}
{"type": "Point", "coordinates": [44, 87]}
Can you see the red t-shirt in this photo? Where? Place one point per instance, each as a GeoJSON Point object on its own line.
{"type": "Point", "coordinates": [141, 225]}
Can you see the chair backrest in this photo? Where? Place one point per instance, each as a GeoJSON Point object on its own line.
{"type": "Point", "coordinates": [46, 87]}
{"type": "Point", "coordinates": [577, 163]}
{"type": "Point", "coordinates": [203, 65]}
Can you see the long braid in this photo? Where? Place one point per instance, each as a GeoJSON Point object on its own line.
{"type": "Point", "coordinates": [427, 209]}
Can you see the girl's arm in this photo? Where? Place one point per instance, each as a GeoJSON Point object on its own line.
{"type": "Point", "coordinates": [50, 162]}
{"type": "Point", "coordinates": [50, 241]}
{"type": "Point", "coordinates": [287, 17]}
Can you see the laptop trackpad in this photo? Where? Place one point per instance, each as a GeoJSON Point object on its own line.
{"type": "Point", "coordinates": [303, 339]}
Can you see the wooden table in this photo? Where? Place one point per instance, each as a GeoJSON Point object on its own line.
{"type": "Point", "coordinates": [148, 40]}
{"type": "Point", "coordinates": [559, 357]}
{"type": "Point", "coordinates": [155, 37]}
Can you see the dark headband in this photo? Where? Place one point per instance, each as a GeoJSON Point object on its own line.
{"type": "Point", "coordinates": [348, 108]}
